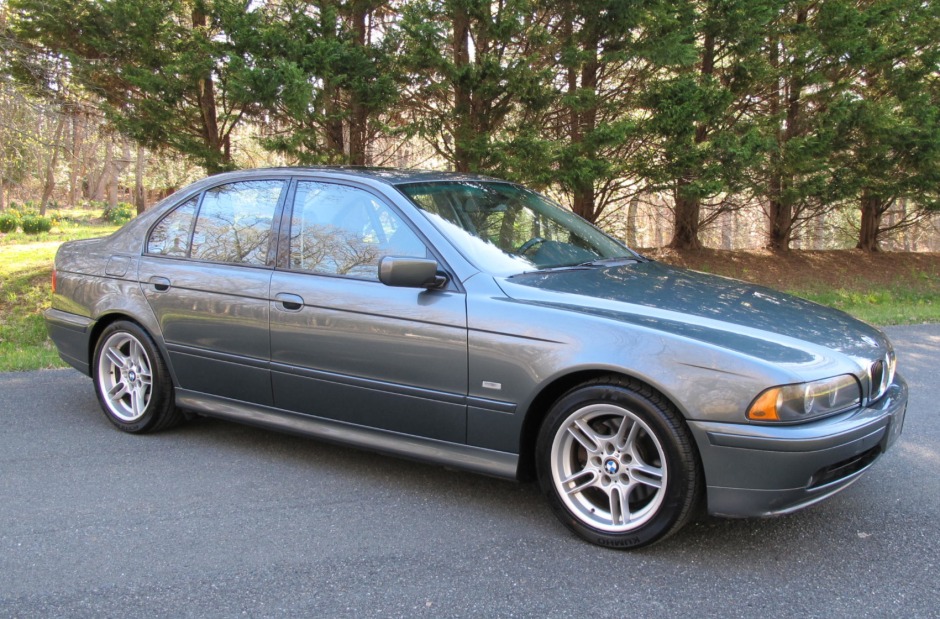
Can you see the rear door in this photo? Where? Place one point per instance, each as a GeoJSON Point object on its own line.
{"type": "Point", "coordinates": [206, 273]}
{"type": "Point", "coordinates": [345, 346]}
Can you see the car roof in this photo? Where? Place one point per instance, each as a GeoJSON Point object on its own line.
{"type": "Point", "coordinates": [390, 176]}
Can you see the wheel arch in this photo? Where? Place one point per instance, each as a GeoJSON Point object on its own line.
{"type": "Point", "coordinates": [108, 319]}
{"type": "Point", "coordinates": [539, 407]}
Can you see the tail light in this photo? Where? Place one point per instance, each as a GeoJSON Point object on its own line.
{"type": "Point", "coordinates": [54, 279]}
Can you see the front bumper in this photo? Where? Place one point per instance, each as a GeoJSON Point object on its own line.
{"type": "Point", "coordinates": [753, 470]}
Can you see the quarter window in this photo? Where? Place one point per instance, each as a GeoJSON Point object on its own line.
{"type": "Point", "coordinates": [234, 223]}
{"type": "Point", "coordinates": [171, 236]}
{"type": "Point", "coordinates": [340, 230]}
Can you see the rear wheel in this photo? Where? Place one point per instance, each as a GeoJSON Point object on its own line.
{"type": "Point", "coordinates": [132, 381]}
{"type": "Point", "coordinates": [617, 464]}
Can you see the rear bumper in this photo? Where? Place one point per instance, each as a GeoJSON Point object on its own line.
{"type": "Point", "coordinates": [766, 470]}
{"type": "Point", "coordinates": [71, 333]}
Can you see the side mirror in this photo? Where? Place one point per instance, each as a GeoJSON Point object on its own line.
{"type": "Point", "coordinates": [410, 273]}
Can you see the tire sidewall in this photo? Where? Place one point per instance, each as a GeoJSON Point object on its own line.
{"type": "Point", "coordinates": [667, 427]}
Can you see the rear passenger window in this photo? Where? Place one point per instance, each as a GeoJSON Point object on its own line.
{"type": "Point", "coordinates": [171, 236]}
{"type": "Point", "coordinates": [234, 223]}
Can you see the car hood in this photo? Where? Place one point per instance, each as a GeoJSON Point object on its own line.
{"type": "Point", "coordinates": [729, 313]}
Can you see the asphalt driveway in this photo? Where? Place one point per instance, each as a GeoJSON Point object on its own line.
{"type": "Point", "coordinates": [217, 519]}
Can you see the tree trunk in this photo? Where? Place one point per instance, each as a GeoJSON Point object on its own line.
{"type": "Point", "coordinates": [782, 216]}
{"type": "Point", "coordinates": [632, 209]}
{"type": "Point", "coordinates": [658, 225]}
{"type": "Point", "coordinates": [140, 196]}
{"type": "Point", "coordinates": [49, 184]}
{"type": "Point", "coordinates": [107, 170]}
{"type": "Point", "coordinates": [781, 224]}
{"type": "Point", "coordinates": [463, 98]}
{"type": "Point", "coordinates": [688, 206]}
{"type": "Point", "coordinates": [688, 209]}
{"type": "Point", "coordinates": [819, 232]}
{"type": "Point", "coordinates": [75, 163]}
{"type": "Point", "coordinates": [872, 211]}
{"type": "Point", "coordinates": [358, 113]}
{"type": "Point", "coordinates": [218, 156]}
{"type": "Point", "coordinates": [113, 188]}
{"type": "Point", "coordinates": [727, 231]}
{"type": "Point", "coordinates": [583, 121]}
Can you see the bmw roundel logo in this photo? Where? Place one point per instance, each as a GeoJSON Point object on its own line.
{"type": "Point", "coordinates": [611, 467]}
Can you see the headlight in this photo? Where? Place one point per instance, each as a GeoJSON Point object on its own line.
{"type": "Point", "coordinates": [806, 400]}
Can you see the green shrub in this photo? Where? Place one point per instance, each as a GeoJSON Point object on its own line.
{"type": "Point", "coordinates": [8, 222]}
{"type": "Point", "coordinates": [120, 214]}
{"type": "Point", "coordinates": [35, 224]}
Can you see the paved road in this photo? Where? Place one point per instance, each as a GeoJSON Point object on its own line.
{"type": "Point", "coordinates": [216, 519]}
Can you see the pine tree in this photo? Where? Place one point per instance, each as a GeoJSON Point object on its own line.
{"type": "Point", "coordinates": [891, 116]}
{"type": "Point", "coordinates": [478, 81]}
{"type": "Point", "coordinates": [159, 67]}
{"type": "Point", "coordinates": [702, 127]}
{"type": "Point", "coordinates": [320, 76]}
{"type": "Point", "coordinates": [607, 51]}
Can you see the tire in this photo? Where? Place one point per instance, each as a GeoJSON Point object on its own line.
{"type": "Point", "coordinates": [131, 380]}
{"type": "Point", "coordinates": [618, 464]}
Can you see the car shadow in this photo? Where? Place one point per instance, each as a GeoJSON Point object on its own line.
{"type": "Point", "coordinates": [519, 508]}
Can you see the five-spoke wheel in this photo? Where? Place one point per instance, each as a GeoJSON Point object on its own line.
{"type": "Point", "coordinates": [618, 464]}
{"type": "Point", "coordinates": [608, 467]}
{"type": "Point", "coordinates": [131, 380]}
{"type": "Point", "coordinates": [125, 376]}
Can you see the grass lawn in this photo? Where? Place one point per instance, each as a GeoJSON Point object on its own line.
{"type": "Point", "coordinates": [25, 289]}
{"type": "Point", "coordinates": [883, 289]}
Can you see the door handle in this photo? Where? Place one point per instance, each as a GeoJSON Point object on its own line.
{"type": "Point", "coordinates": [290, 302]}
{"type": "Point", "coordinates": [160, 284]}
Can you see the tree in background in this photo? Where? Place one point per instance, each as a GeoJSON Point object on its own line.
{"type": "Point", "coordinates": [320, 75]}
{"type": "Point", "coordinates": [794, 107]}
{"type": "Point", "coordinates": [158, 67]}
{"type": "Point", "coordinates": [891, 117]}
{"type": "Point", "coordinates": [801, 106]}
{"type": "Point", "coordinates": [704, 136]}
{"type": "Point", "coordinates": [18, 124]}
{"type": "Point", "coordinates": [477, 79]}
{"type": "Point", "coordinates": [606, 52]}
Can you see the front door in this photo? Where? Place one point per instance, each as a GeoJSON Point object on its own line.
{"type": "Point", "coordinates": [345, 346]}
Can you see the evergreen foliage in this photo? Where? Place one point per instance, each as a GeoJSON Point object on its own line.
{"type": "Point", "coordinates": [807, 107]}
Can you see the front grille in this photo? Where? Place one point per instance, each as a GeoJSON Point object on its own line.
{"type": "Point", "coordinates": [877, 373]}
{"type": "Point", "coordinates": [841, 470]}
{"type": "Point", "coordinates": [881, 375]}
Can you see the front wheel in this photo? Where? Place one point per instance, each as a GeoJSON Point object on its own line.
{"type": "Point", "coordinates": [617, 464]}
{"type": "Point", "coordinates": [131, 380]}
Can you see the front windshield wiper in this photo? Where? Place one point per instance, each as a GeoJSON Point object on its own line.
{"type": "Point", "coordinates": [584, 266]}
{"type": "Point", "coordinates": [556, 269]}
{"type": "Point", "coordinates": [609, 262]}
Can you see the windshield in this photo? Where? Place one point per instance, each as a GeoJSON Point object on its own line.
{"type": "Point", "coordinates": [506, 229]}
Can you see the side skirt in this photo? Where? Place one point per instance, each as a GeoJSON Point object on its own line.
{"type": "Point", "coordinates": [475, 459]}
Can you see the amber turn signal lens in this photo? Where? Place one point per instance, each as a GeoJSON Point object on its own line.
{"type": "Point", "coordinates": [764, 408]}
